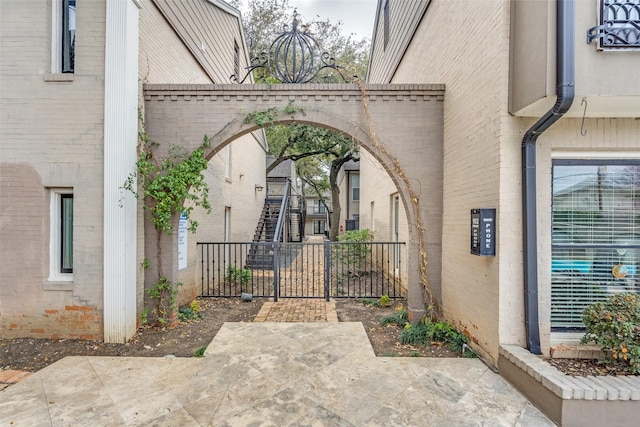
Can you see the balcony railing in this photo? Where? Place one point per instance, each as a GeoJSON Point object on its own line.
{"type": "Point", "coordinates": [619, 25]}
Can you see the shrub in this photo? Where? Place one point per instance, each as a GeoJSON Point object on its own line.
{"type": "Point", "coordinates": [186, 314]}
{"type": "Point", "coordinates": [400, 318]}
{"type": "Point", "coordinates": [427, 332]}
{"type": "Point", "coordinates": [364, 235]}
{"type": "Point", "coordinates": [353, 255]}
{"type": "Point", "coordinates": [614, 324]}
{"type": "Point", "coordinates": [238, 276]}
{"type": "Point", "coordinates": [384, 301]}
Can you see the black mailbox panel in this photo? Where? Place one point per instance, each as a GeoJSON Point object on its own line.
{"type": "Point", "coordinates": [483, 232]}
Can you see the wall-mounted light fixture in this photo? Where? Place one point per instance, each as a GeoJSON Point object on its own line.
{"type": "Point", "coordinates": [259, 187]}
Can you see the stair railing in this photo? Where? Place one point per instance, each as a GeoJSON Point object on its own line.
{"type": "Point", "coordinates": [277, 236]}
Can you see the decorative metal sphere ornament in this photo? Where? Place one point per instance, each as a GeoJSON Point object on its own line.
{"type": "Point", "coordinates": [292, 57]}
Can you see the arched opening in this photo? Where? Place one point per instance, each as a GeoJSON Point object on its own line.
{"type": "Point", "coordinates": [403, 136]}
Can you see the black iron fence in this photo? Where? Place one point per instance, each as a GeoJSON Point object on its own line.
{"type": "Point", "coordinates": [302, 270]}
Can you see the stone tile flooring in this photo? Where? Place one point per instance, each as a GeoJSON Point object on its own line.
{"type": "Point", "coordinates": [269, 374]}
{"type": "Point", "coordinates": [10, 376]}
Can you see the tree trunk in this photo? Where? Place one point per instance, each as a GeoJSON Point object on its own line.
{"type": "Point", "coordinates": [334, 218]}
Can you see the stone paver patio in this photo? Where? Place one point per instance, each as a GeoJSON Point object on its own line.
{"type": "Point", "coordinates": [269, 374]}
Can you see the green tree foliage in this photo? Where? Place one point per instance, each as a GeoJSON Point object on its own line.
{"type": "Point", "coordinates": [318, 149]}
{"type": "Point", "coordinates": [321, 154]}
{"type": "Point", "coordinates": [264, 20]}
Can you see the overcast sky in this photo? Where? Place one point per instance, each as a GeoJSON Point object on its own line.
{"type": "Point", "coordinates": [356, 15]}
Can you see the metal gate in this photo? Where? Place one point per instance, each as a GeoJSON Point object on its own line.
{"type": "Point", "coordinates": [301, 270]}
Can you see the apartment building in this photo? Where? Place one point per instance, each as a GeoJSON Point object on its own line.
{"type": "Point", "coordinates": [541, 127]}
{"type": "Point", "coordinates": [71, 94]}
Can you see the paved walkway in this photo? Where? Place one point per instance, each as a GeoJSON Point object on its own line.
{"type": "Point", "coordinates": [269, 374]}
{"type": "Point", "coordinates": [298, 310]}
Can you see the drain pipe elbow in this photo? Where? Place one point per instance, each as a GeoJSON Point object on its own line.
{"type": "Point", "coordinates": [565, 91]}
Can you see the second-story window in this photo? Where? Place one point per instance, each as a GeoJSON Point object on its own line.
{"type": "Point", "coordinates": [68, 35]}
{"type": "Point", "coordinates": [318, 207]}
{"type": "Point", "coordinates": [355, 188]}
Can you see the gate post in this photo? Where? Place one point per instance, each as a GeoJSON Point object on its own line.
{"type": "Point", "coordinates": [327, 269]}
{"type": "Point", "coordinates": [276, 272]}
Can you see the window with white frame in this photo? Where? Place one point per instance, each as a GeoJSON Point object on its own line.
{"type": "Point", "coordinates": [63, 36]}
{"type": "Point", "coordinates": [595, 249]}
{"type": "Point", "coordinates": [355, 188]}
{"type": "Point", "coordinates": [61, 235]}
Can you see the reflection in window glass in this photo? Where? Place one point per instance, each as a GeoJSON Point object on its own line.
{"type": "Point", "coordinates": [66, 233]}
{"type": "Point", "coordinates": [595, 235]}
{"type": "Point", "coordinates": [68, 35]}
{"type": "Point", "coordinates": [355, 186]}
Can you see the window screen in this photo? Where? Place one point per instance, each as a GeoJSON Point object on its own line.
{"type": "Point", "coordinates": [595, 235]}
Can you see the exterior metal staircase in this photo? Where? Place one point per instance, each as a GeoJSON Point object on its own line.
{"type": "Point", "coordinates": [282, 220]}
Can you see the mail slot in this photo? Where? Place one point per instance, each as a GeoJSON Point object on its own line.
{"type": "Point", "coordinates": [483, 232]}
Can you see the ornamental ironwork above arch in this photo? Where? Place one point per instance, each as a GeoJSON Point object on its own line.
{"type": "Point", "coordinates": [292, 58]}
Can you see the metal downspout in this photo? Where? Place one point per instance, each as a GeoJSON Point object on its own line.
{"type": "Point", "coordinates": [565, 91]}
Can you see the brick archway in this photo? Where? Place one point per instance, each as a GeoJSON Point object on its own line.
{"type": "Point", "coordinates": [400, 122]}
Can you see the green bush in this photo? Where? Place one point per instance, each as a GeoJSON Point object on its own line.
{"type": "Point", "coordinates": [364, 235]}
{"type": "Point", "coordinates": [353, 255]}
{"type": "Point", "coordinates": [238, 276]}
{"type": "Point", "coordinates": [427, 332]}
{"type": "Point", "coordinates": [400, 318]}
{"type": "Point", "coordinates": [186, 314]}
{"type": "Point", "coordinates": [615, 325]}
{"type": "Point", "coordinates": [384, 301]}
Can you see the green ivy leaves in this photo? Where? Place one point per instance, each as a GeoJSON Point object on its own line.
{"type": "Point", "coordinates": [268, 116]}
{"type": "Point", "coordinates": [168, 184]}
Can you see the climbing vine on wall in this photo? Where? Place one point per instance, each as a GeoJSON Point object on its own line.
{"type": "Point", "coordinates": [167, 184]}
{"type": "Point", "coordinates": [429, 300]}
{"type": "Point", "coordinates": [268, 116]}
